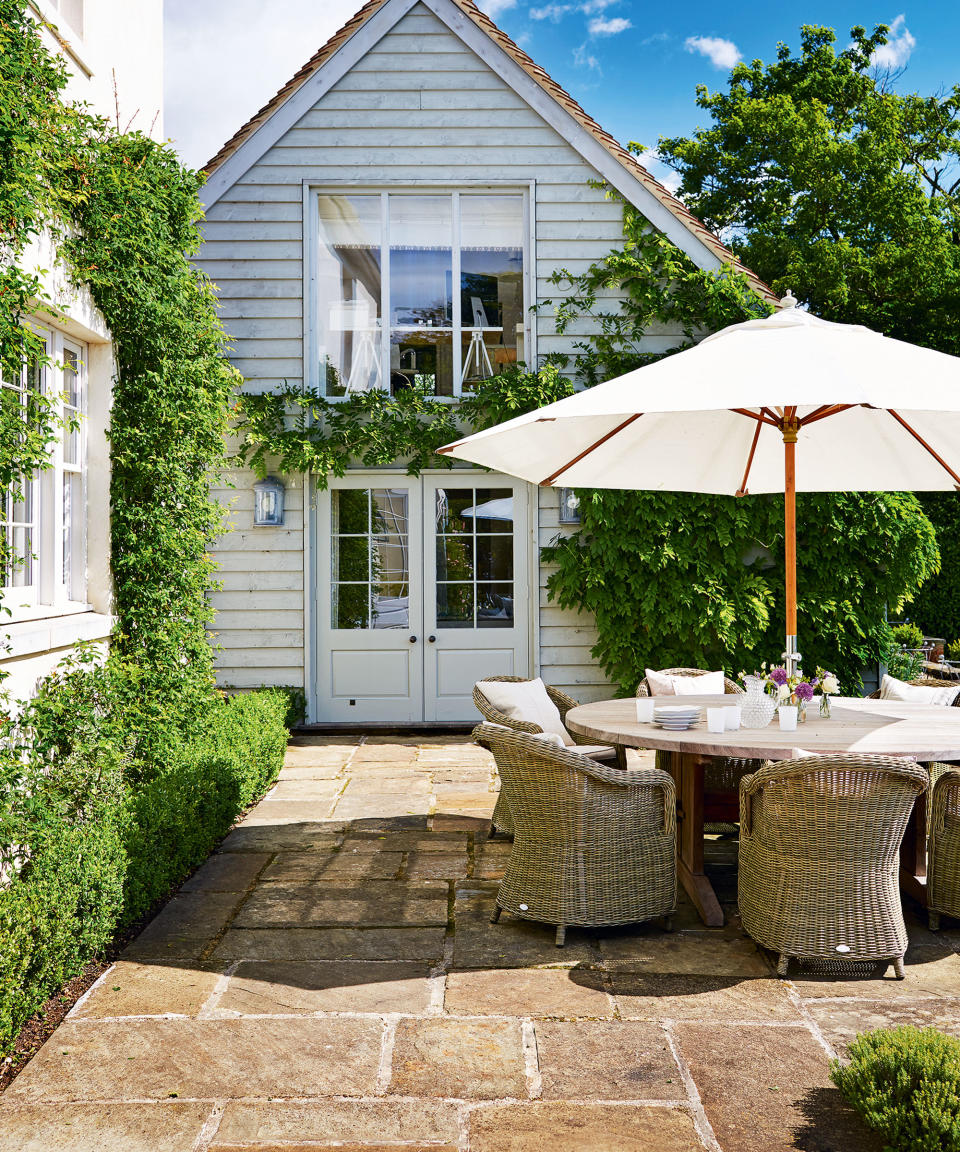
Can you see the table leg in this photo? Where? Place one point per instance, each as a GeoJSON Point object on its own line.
{"type": "Point", "coordinates": [687, 772]}
{"type": "Point", "coordinates": [913, 853]}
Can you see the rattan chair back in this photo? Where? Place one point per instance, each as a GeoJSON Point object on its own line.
{"type": "Point", "coordinates": [819, 856]}
{"type": "Point", "coordinates": [593, 845]}
{"type": "Point", "coordinates": [927, 682]}
{"type": "Point", "coordinates": [943, 856]}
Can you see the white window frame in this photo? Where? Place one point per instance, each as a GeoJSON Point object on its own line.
{"type": "Point", "coordinates": [48, 594]}
{"type": "Point", "coordinates": [312, 375]}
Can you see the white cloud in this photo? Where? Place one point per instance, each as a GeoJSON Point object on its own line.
{"type": "Point", "coordinates": [591, 6]}
{"type": "Point", "coordinates": [583, 59]}
{"type": "Point", "coordinates": [896, 52]}
{"type": "Point", "coordinates": [601, 27]}
{"type": "Point", "coordinates": [720, 53]}
{"type": "Point", "coordinates": [494, 8]}
{"type": "Point", "coordinates": [552, 12]}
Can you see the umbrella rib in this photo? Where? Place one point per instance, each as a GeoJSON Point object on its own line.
{"type": "Point", "coordinates": [742, 490]}
{"type": "Point", "coordinates": [586, 452]}
{"type": "Point", "coordinates": [920, 440]}
{"type": "Point", "coordinates": [759, 416]}
{"type": "Point", "coordinates": [823, 412]}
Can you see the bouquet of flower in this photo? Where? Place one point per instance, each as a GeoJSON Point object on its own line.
{"type": "Point", "coordinates": [798, 688]}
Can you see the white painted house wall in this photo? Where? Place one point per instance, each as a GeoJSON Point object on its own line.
{"type": "Point", "coordinates": [419, 107]}
{"type": "Point", "coordinates": [116, 42]}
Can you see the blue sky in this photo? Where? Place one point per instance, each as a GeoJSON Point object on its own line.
{"type": "Point", "coordinates": [633, 65]}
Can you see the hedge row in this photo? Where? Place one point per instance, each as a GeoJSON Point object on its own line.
{"type": "Point", "coordinates": [91, 837]}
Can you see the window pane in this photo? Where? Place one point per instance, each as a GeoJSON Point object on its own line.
{"type": "Point", "coordinates": [348, 288]}
{"type": "Point", "coordinates": [454, 558]}
{"type": "Point", "coordinates": [351, 606]}
{"type": "Point", "coordinates": [421, 261]}
{"type": "Point", "coordinates": [451, 505]}
{"type": "Point", "coordinates": [493, 511]}
{"type": "Point", "coordinates": [72, 534]}
{"type": "Point", "coordinates": [454, 605]}
{"type": "Point", "coordinates": [495, 605]}
{"type": "Point", "coordinates": [491, 283]}
{"type": "Point", "coordinates": [494, 557]}
{"type": "Point", "coordinates": [350, 510]}
{"type": "Point", "coordinates": [390, 510]}
{"type": "Point", "coordinates": [422, 359]}
{"type": "Point", "coordinates": [391, 606]}
{"type": "Point", "coordinates": [351, 559]}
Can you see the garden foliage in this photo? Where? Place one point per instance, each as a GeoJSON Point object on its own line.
{"type": "Point", "coordinates": [116, 779]}
{"type": "Point", "coordinates": [905, 1083]}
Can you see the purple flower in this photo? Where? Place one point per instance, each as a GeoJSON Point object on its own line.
{"type": "Point", "coordinates": [804, 690]}
{"type": "Point", "coordinates": [778, 675]}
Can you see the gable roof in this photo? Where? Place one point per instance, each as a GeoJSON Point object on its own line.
{"type": "Point", "coordinates": [561, 97]}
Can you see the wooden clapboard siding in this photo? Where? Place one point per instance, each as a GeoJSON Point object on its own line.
{"type": "Point", "coordinates": [259, 624]}
{"type": "Point", "coordinates": [419, 107]}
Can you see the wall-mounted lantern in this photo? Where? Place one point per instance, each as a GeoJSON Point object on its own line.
{"type": "Point", "coordinates": [268, 502]}
{"type": "Point", "coordinates": [569, 506]}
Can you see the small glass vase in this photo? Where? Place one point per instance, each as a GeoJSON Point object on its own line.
{"type": "Point", "coordinates": [825, 706]}
{"type": "Point", "coordinates": [801, 708]}
{"type": "Point", "coordinates": [758, 707]}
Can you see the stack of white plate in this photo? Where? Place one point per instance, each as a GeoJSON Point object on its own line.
{"type": "Point", "coordinates": [676, 717]}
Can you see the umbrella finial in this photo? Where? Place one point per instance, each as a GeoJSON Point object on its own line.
{"type": "Point", "coordinates": [788, 301]}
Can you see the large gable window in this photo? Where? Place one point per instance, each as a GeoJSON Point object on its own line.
{"type": "Point", "coordinates": [418, 289]}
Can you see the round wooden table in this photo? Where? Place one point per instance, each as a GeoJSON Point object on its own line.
{"type": "Point", "coordinates": [885, 727]}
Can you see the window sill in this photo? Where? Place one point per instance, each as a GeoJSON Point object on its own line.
{"type": "Point", "coordinates": [48, 633]}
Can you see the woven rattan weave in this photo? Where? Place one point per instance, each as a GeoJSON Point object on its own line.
{"type": "Point", "coordinates": [943, 853]}
{"type": "Point", "coordinates": [819, 863]}
{"type": "Point", "coordinates": [502, 820]}
{"type": "Point", "coordinates": [592, 844]}
{"type": "Point", "coordinates": [723, 774]}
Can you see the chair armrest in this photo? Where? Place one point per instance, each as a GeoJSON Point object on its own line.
{"type": "Point", "coordinates": [746, 807]}
{"type": "Point", "coordinates": [947, 780]}
{"type": "Point", "coordinates": [639, 778]}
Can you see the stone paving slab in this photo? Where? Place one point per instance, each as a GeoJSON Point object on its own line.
{"type": "Point", "coordinates": [467, 1059]}
{"type": "Point", "coordinates": [528, 992]}
{"type": "Point", "coordinates": [167, 1127]}
{"type": "Point", "coordinates": [206, 1059]}
{"type": "Point", "coordinates": [332, 944]}
{"type": "Point", "coordinates": [377, 903]}
{"type": "Point", "coordinates": [588, 1127]}
{"type": "Point", "coordinates": [606, 1059]}
{"type": "Point", "coordinates": [302, 837]}
{"type": "Point", "coordinates": [129, 989]}
{"type": "Point", "coordinates": [316, 986]}
{"type": "Point", "coordinates": [685, 996]}
{"type": "Point", "coordinates": [767, 1088]}
{"type": "Point", "coordinates": [227, 872]}
{"type": "Point", "coordinates": [185, 928]}
{"type": "Point", "coordinates": [841, 1020]}
{"type": "Point", "coordinates": [389, 1121]}
{"type": "Point", "coordinates": [311, 867]}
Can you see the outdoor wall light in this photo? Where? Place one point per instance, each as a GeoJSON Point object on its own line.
{"type": "Point", "coordinates": [268, 502]}
{"type": "Point", "coordinates": [569, 506]}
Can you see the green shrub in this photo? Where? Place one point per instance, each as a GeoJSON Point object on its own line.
{"type": "Point", "coordinates": [908, 635]}
{"type": "Point", "coordinates": [905, 1083]}
{"type": "Point", "coordinates": [93, 831]}
{"type": "Point", "coordinates": [952, 650]}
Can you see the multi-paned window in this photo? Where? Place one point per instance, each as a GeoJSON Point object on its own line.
{"type": "Point", "coordinates": [44, 522]}
{"type": "Point", "coordinates": [418, 289]}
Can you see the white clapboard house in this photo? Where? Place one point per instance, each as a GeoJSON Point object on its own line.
{"type": "Point", "coordinates": [391, 216]}
{"type": "Point", "coordinates": [57, 591]}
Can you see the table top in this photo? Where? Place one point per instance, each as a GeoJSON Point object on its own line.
{"type": "Point", "coordinates": [886, 727]}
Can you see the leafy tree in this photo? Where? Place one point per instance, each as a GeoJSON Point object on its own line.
{"type": "Point", "coordinates": [826, 181]}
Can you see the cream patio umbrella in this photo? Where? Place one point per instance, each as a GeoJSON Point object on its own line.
{"type": "Point", "coordinates": [784, 404]}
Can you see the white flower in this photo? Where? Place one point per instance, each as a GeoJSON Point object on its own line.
{"type": "Point", "coordinates": [830, 684]}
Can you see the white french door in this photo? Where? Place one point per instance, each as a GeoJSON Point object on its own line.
{"type": "Point", "coordinates": [422, 590]}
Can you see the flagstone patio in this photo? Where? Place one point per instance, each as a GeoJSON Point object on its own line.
{"type": "Point", "coordinates": [329, 978]}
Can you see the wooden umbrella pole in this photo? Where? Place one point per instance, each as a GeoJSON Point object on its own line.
{"type": "Point", "coordinates": [790, 427]}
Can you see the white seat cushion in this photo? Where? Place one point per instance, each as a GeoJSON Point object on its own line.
{"type": "Point", "coordinates": [893, 689]}
{"type": "Point", "coordinates": [596, 751]}
{"type": "Point", "coordinates": [662, 684]}
{"type": "Point", "coordinates": [526, 700]}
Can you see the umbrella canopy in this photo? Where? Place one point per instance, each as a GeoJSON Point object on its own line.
{"type": "Point", "coordinates": [784, 404]}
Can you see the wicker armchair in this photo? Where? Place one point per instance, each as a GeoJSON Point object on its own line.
{"type": "Point", "coordinates": [819, 856]}
{"type": "Point", "coordinates": [723, 773]}
{"type": "Point", "coordinates": [502, 821]}
{"type": "Point", "coordinates": [593, 845]}
{"type": "Point", "coordinates": [943, 852]}
{"type": "Point", "coordinates": [926, 682]}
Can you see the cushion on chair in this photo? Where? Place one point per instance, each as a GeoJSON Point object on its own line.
{"type": "Point", "coordinates": [602, 752]}
{"type": "Point", "coordinates": [526, 700]}
{"type": "Point", "coordinates": [893, 689]}
{"type": "Point", "coordinates": [709, 684]}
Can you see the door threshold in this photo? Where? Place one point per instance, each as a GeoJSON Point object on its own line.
{"type": "Point", "coordinates": [424, 728]}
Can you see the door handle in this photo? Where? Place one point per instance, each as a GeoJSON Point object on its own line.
{"type": "Point", "coordinates": [432, 639]}
{"type": "Point", "coordinates": [413, 639]}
